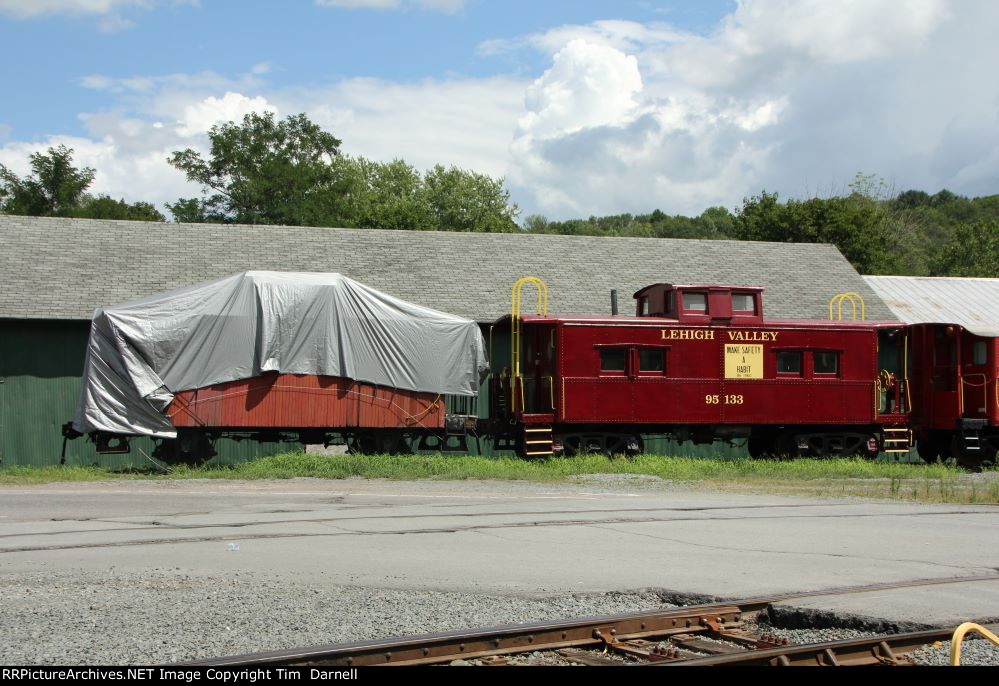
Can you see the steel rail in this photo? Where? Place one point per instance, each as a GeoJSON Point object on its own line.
{"type": "Point", "coordinates": [875, 650]}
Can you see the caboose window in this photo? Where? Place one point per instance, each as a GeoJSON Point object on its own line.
{"type": "Point", "coordinates": [695, 302]}
{"type": "Point", "coordinates": [743, 302]}
{"type": "Point", "coordinates": [643, 307]}
{"type": "Point", "coordinates": [612, 359]}
{"type": "Point", "coordinates": [651, 360]}
{"type": "Point", "coordinates": [827, 363]}
{"type": "Point", "coordinates": [979, 353]}
{"type": "Point", "coordinates": [789, 362]}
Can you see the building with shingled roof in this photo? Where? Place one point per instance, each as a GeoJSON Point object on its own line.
{"type": "Point", "coordinates": [56, 271]}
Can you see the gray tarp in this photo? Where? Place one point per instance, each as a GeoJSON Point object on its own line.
{"type": "Point", "coordinates": [142, 352]}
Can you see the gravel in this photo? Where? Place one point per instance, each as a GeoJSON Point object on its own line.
{"type": "Point", "coordinates": [974, 653]}
{"type": "Point", "coordinates": [79, 617]}
{"type": "Point", "coordinates": [802, 636]}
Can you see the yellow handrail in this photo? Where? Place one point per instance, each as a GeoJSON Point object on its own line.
{"type": "Point", "coordinates": [850, 295]}
{"type": "Point", "coordinates": [959, 633]}
{"type": "Point", "coordinates": [984, 385]}
{"type": "Point", "coordinates": [515, 321]}
{"type": "Point", "coordinates": [905, 372]}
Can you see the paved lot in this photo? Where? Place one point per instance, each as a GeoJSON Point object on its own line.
{"type": "Point", "coordinates": [513, 539]}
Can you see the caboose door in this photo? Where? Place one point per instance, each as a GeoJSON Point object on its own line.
{"type": "Point", "coordinates": [538, 369]}
{"type": "Point", "coordinates": [976, 368]}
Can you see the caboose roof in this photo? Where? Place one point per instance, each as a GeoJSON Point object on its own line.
{"type": "Point", "coordinates": [667, 321]}
{"type": "Point", "coordinates": [55, 268]}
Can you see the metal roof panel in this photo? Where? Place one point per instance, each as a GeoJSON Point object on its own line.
{"type": "Point", "coordinates": [971, 303]}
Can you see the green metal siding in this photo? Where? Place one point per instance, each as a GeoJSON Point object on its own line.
{"type": "Point", "coordinates": [40, 367]}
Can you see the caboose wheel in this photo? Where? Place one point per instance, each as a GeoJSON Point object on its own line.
{"type": "Point", "coordinates": [373, 443]}
{"type": "Point", "coordinates": [761, 446]}
{"type": "Point", "coordinates": [932, 448]}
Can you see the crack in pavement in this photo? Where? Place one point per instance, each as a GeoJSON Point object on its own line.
{"type": "Point", "coordinates": [156, 525]}
{"type": "Point", "coordinates": [430, 530]}
{"type": "Point", "coordinates": [725, 548]}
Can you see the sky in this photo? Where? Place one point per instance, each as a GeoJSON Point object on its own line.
{"type": "Point", "coordinates": [584, 107]}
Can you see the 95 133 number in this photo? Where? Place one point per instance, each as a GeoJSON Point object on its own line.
{"type": "Point", "coordinates": [724, 400]}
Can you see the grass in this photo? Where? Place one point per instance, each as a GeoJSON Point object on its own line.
{"type": "Point", "coordinates": [828, 477]}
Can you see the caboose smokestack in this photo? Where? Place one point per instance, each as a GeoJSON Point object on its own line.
{"type": "Point", "coordinates": [613, 301]}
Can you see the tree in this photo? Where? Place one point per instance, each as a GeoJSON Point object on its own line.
{"type": "Point", "coordinates": [536, 223]}
{"type": "Point", "coordinates": [106, 207]}
{"type": "Point", "coordinates": [972, 250]}
{"type": "Point", "coordinates": [461, 200]}
{"type": "Point", "coordinates": [55, 187]}
{"type": "Point", "coordinates": [264, 172]}
{"type": "Point", "coordinates": [856, 225]}
{"type": "Point", "coordinates": [189, 211]}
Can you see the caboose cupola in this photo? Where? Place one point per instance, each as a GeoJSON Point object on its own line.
{"type": "Point", "coordinates": [701, 304]}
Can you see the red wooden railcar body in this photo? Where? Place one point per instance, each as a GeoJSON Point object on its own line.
{"type": "Point", "coordinates": [701, 363]}
{"type": "Point", "coordinates": [299, 401]}
{"type": "Point", "coordinates": [304, 408]}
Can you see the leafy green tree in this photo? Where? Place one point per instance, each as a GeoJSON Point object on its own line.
{"type": "Point", "coordinates": [397, 197]}
{"type": "Point", "coordinates": [972, 250]}
{"type": "Point", "coordinates": [55, 188]}
{"type": "Point", "coordinates": [189, 211]}
{"type": "Point", "coordinates": [461, 200]}
{"type": "Point", "coordinates": [854, 224]}
{"type": "Point", "coordinates": [536, 223]}
{"type": "Point", "coordinates": [264, 172]}
{"type": "Point", "coordinates": [106, 207]}
{"type": "Point", "coordinates": [377, 195]}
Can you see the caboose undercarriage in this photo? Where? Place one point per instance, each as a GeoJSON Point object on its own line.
{"type": "Point", "coordinates": [759, 441]}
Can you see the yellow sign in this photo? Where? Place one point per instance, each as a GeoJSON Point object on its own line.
{"type": "Point", "coordinates": [743, 361]}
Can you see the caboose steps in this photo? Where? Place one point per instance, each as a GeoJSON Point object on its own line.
{"type": "Point", "coordinates": [897, 440]}
{"type": "Point", "coordinates": [536, 440]}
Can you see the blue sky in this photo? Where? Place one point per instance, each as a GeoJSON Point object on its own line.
{"type": "Point", "coordinates": [584, 107]}
{"type": "Point", "coordinates": [300, 41]}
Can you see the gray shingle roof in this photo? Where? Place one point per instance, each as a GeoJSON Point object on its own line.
{"type": "Point", "coordinates": [971, 303]}
{"type": "Point", "coordinates": [64, 268]}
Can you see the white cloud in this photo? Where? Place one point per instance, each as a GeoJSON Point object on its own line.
{"type": "Point", "coordinates": [110, 12]}
{"type": "Point", "coordinates": [446, 6]}
{"type": "Point", "coordinates": [628, 36]}
{"type": "Point", "coordinates": [34, 8]}
{"type": "Point", "coordinates": [588, 85]}
{"type": "Point", "coordinates": [201, 116]}
{"type": "Point", "coordinates": [793, 96]}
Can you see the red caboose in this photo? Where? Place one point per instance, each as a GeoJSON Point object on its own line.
{"type": "Point", "coordinates": [956, 377]}
{"type": "Point", "coordinates": [701, 363]}
{"type": "Point", "coordinates": [954, 334]}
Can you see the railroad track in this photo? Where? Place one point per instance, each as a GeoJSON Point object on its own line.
{"type": "Point", "coordinates": [713, 634]}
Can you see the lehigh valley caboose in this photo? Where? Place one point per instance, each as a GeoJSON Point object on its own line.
{"type": "Point", "coordinates": [700, 363]}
